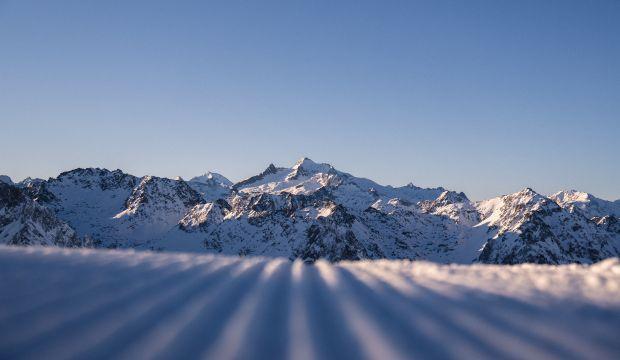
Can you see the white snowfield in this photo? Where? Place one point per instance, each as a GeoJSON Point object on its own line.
{"type": "Point", "coordinates": [88, 304]}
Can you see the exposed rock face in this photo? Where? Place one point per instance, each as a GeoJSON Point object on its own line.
{"type": "Point", "coordinates": [609, 223]}
{"type": "Point", "coordinates": [313, 211]}
{"type": "Point", "coordinates": [24, 222]}
{"type": "Point", "coordinates": [5, 179]}
{"type": "Point", "coordinates": [270, 170]}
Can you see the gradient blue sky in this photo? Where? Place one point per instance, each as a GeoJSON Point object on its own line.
{"type": "Point", "coordinates": [486, 97]}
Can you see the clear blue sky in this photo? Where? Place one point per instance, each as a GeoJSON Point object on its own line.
{"type": "Point", "coordinates": [486, 97]}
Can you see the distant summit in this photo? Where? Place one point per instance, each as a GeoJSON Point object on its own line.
{"type": "Point", "coordinates": [5, 179]}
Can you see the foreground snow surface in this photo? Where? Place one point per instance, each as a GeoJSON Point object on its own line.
{"type": "Point", "coordinates": [61, 303]}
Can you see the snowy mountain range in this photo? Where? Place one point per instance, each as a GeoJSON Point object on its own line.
{"type": "Point", "coordinates": [308, 211]}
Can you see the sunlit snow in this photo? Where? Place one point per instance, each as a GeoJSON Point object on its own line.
{"type": "Point", "coordinates": [126, 304]}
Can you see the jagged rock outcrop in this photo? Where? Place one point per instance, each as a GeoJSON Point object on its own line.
{"type": "Point", "coordinates": [609, 223]}
{"type": "Point", "coordinates": [6, 179]}
{"type": "Point", "coordinates": [270, 170]}
{"type": "Point", "coordinates": [24, 222]}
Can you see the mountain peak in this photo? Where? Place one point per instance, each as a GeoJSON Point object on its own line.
{"type": "Point", "coordinates": [212, 178]}
{"type": "Point", "coordinates": [304, 161]}
{"type": "Point", "coordinates": [307, 167]}
{"type": "Point", "coordinates": [271, 169]}
{"type": "Point", "coordinates": [588, 204]}
{"type": "Point", "coordinates": [452, 197]}
{"type": "Point", "coordinates": [95, 177]}
{"type": "Point", "coordinates": [525, 196]}
{"type": "Point", "coordinates": [411, 185]}
{"type": "Point", "coordinates": [6, 179]}
{"type": "Point", "coordinates": [89, 171]}
{"type": "Point", "coordinates": [571, 196]}
{"type": "Point", "coordinates": [527, 192]}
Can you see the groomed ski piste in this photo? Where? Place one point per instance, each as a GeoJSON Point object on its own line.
{"type": "Point", "coordinates": [60, 303]}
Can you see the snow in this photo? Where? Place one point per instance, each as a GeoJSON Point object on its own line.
{"type": "Point", "coordinates": [61, 303]}
{"type": "Point", "coordinates": [212, 177]}
{"type": "Point", "coordinates": [588, 204]}
{"type": "Point", "coordinates": [325, 211]}
{"type": "Point", "coordinates": [211, 186]}
{"type": "Point", "coordinates": [88, 207]}
{"type": "Point", "coordinates": [515, 205]}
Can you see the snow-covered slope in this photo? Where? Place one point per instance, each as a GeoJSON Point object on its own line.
{"type": "Point", "coordinates": [211, 186]}
{"type": "Point", "coordinates": [87, 304]}
{"type": "Point", "coordinates": [88, 199]}
{"type": "Point", "coordinates": [455, 206]}
{"type": "Point", "coordinates": [154, 206]}
{"type": "Point", "coordinates": [113, 208]}
{"type": "Point", "coordinates": [25, 222]}
{"type": "Point", "coordinates": [528, 227]}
